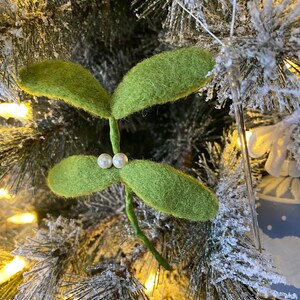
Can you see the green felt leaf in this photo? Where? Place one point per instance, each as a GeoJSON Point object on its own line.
{"type": "Point", "coordinates": [80, 175]}
{"type": "Point", "coordinates": [169, 190]}
{"type": "Point", "coordinates": [67, 81]}
{"type": "Point", "coordinates": [164, 77]}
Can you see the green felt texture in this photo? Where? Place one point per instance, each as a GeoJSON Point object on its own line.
{"type": "Point", "coordinates": [164, 77]}
{"type": "Point", "coordinates": [80, 175]}
{"type": "Point", "coordinates": [169, 190]}
{"type": "Point", "coordinates": [114, 135]}
{"type": "Point", "coordinates": [67, 81]}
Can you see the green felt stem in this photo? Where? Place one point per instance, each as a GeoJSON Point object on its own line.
{"type": "Point", "coordinates": [114, 134]}
{"type": "Point", "coordinates": [134, 223]}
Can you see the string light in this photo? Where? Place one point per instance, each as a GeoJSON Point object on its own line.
{"type": "Point", "coordinates": [293, 67]}
{"type": "Point", "coordinates": [13, 110]}
{"type": "Point", "coordinates": [12, 268]}
{"type": "Point", "coordinates": [25, 218]}
{"type": "Point", "coordinates": [4, 194]}
{"type": "Point", "coordinates": [248, 135]}
{"type": "Point", "coordinates": [150, 283]}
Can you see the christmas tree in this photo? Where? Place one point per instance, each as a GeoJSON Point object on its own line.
{"type": "Point", "coordinates": [151, 228]}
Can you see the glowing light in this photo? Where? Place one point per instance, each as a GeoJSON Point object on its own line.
{"type": "Point", "coordinates": [12, 268]}
{"type": "Point", "coordinates": [293, 67]}
{"type": "Point", "coordinates": [248, 135]}
{"type": "Point", "coordinates": [13, 110]}
{"type": "Point", "coordinates": [25, 218]}
{"type": "Point", "coordinates": [4, 194]}
{"type": "Point", "coordinates": [150, 283]}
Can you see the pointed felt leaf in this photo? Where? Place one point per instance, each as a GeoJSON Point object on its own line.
{"type": "Point", "coordinates": [164, 77]}
{"type": "Point", "coordinates": [67, 81]}
{"type": "Point", "coordinates": [80, 175]}
{"type": "Point", "coordinates": [169, 190]}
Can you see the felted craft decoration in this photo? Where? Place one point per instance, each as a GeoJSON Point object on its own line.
{"type": "Point", "coordinates": [70, 82]}
{"type": "Point", "coordinates": [162, 78]}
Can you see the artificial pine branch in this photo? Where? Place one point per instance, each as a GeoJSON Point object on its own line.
{"type": "Point", "coordinates": [231, 266]}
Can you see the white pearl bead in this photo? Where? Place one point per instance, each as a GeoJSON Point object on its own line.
{"type": "Point", "coordinates": [120, 160]}
{"type": "Point", "coordinates": [104, 161]}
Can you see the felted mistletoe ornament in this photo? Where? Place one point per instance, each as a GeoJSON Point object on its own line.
{"type": "Point", "coordinates": [162, 78]}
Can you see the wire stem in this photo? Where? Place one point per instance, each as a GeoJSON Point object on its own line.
{"type": "Point", "coordinates": [200, 22]}
{"type": "Point", "coordinates": [240, 124]}
{"type": "Point", "coordinates": [134, 223]}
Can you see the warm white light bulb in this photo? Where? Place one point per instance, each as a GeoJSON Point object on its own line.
{"type": "Point", "coordinates": [13, 110]}
{"type": "Point", "coordinates": [293, 68]}
{"type": "Point", "coordinates": [150, 283]}
{"type": "Point", "coordinates": [4, 194]}
{"type": "Point", "coordinates": [25, 218]}
{"type": "Point", "coordinates": [248, 135]}
{"type": "Point", "coordinates": [12, 268]}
